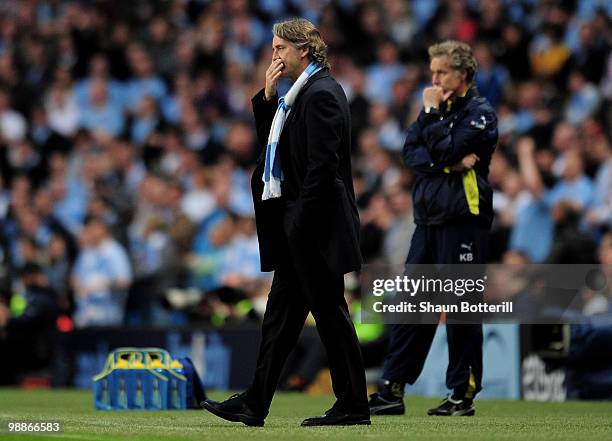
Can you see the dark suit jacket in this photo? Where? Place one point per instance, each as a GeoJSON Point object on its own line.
{"type": "Point", "coordinates": [318, 203]}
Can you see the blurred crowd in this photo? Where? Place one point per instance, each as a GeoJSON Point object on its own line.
{"type": "Point", "coordinates": [127, 142]}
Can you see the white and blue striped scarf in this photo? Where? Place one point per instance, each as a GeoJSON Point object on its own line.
{"type": "Point", "coordinates": [273, 173]}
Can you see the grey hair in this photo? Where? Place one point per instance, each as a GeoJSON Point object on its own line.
{"type": "Point", "coordinates": [303, 34]}
{"type": "Point", "coordinates": [460, 56]}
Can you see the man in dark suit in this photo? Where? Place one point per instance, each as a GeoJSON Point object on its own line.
{"type": "Point", "coordinates": [308, 234]}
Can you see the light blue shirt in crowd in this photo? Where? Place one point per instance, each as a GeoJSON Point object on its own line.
{"type": "Point", "coordinates": [139, 88]}
{"type": "Point", "coordinates": [115, 90]}
{"type": "Point", "coordinates": [380, 79]}
{"type": "Point", "coordinates": [579, 190]}
{"type": "Point", "coordinates": [533, 230]}
{"type": "Point", "coordinates": [108, 118]}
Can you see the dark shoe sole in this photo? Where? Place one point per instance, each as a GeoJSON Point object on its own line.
{"type": "Point", "coordinates": [465, 412]}
{"type": "Point", "coordinates": [233, 417]}
{"type": "Point", "coordinates": [347, 423]}
{"type": "Point", "coordinates": [391, 409]}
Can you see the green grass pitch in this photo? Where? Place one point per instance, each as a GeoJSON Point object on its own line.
{"type": "Point", "coordinates": [494, 420]}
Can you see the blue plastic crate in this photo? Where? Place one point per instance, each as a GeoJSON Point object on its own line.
{"type": "Point", "coordinates": [140, 379]}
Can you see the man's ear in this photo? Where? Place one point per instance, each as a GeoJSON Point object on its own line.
{"type": "Point", "coordinates": [305, 52]}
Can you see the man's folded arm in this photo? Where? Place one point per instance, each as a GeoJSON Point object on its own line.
{"type": "Point", "coordinates": [448, 145]}
{"type": "Point", "coordinates": [415, 153]}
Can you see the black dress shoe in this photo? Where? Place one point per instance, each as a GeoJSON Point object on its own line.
{"type": "Point", "coordinates": [234, 409]}
{"type": "Point", "coordinates": [336, 417]}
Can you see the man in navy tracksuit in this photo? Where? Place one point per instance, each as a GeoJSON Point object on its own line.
{"type": "Point", "coordinates": [449, 148]}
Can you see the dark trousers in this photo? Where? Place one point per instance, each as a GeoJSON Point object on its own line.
{"type": "Point", "coordinates": [410, 343]}
{"type": "Point", "coordinates": [304, 284]}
